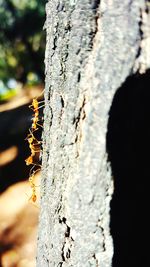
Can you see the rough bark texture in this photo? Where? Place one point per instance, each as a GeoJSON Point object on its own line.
{"type": "Point", "coordinates": [92, 47]}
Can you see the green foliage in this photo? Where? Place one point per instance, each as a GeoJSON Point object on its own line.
{"type": "Point", "coordinates": [22, 39]}
{"type": "Point", "coordinates": [8, 94]}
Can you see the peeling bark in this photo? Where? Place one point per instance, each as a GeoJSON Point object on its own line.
{"type": "Point", "coordinates": [92, 47]}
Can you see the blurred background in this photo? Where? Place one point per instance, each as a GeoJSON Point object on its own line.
{"type": "Point", "coordinates": [22, 47]}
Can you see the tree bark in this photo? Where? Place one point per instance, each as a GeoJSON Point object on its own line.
{"type": "Point", "coordinates": [92, 47]}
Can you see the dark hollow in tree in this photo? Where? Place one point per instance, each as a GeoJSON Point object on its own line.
{"type": "Point", "coordinates": [128, 146]}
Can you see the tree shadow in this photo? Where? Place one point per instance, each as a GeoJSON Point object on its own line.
{"type": "Point", "coordinates": [128, 146]}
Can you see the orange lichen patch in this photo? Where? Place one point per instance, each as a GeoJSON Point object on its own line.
{"type": "Point", "coordinates": [8, 155]}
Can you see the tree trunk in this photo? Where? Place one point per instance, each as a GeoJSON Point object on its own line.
{"type": "Point", "coordinates": [92, 47]}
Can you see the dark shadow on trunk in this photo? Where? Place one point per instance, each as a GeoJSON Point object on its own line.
{"type": "Point", "coordinates": [128, 146]}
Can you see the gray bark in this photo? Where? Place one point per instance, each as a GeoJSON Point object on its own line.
{"type": "Point", "coordinates": [92, 47]}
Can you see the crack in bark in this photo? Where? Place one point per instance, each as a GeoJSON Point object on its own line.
{"type": "Point", "coordinates": [94, 256]}
{"type": "Point", "coordinates": [51, 119]}
{"type": "Point", "coordinates": [104, 246]}
{"type": "Point", "coordinates": [140, 35]}
{"type": "Point", "coordinates": [79, 76]}
{"type": "Point", "coordinates": [144, 12]}
{"type": "Point", "coordinates": [65, 54]}
{"type": "Point", "coordinates": [81, 114]}
{"type": "Point", "coordinates": [59, 206]}
{"type": "Point", "coordinates": [60, 7]}
{"type": "Point", "coordinates": [67, 244]}
{"type": "Point", "coordinates": [95, 4]}
{"type": "Point", "coordinates": [60, 264]}
{"type": "Point", "coordinates": [103, 234]}
{"type": "Point", "coordinates": [62, 101]}
{"type": "Point", "coordinates": [92, 34]}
